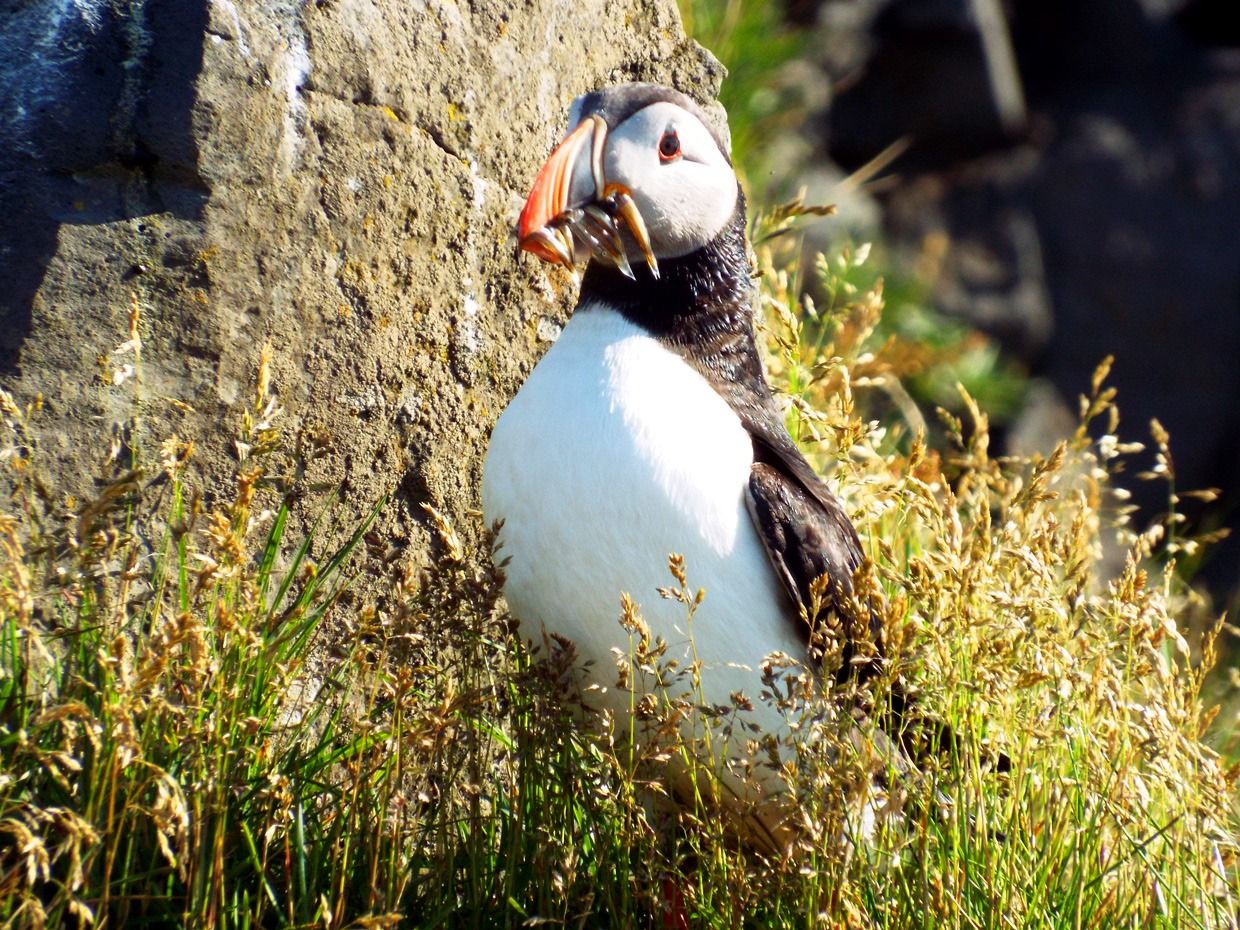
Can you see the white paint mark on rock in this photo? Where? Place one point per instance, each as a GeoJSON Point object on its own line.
{"type": "Point", "coordinates": [88, 10]}
{"type": "Point", "coordinates": [364, 402]}
{"type": "Point", "coordinates": [479, 184]}
{"type": "Point", "coordinates": [467, 331]}
{"type": "Point", "coordinates": [408, 405]}
{"type": "Point", "coordinates": [297, 71]}
{"type": "Point", "coordinates": [548, 330]}
{"type": "Point", "coordinates": [229, 9]}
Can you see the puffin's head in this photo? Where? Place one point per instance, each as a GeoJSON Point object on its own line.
{"type": "Point", "coordinates": [641, 171]}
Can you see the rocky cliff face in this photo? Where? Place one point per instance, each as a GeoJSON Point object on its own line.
{"type": "Point", "coordinates": [338, 177]}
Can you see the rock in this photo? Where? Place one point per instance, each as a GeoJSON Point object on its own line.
{"type": "Point", "coordinates": [1138, 210]}
{"type": "Point", "coordinates": [1042, 422]}
{"type": "Point", "coordinates": [985, 247]}
{"type": "Point", "coordinates": [1211, 22]}
{"type": "Point", "coordinates": [338, 178]}
{"type": "Point", "coordinates": [941, 74]}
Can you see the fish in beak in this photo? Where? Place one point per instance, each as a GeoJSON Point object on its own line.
{"type": "Point", "coordinates": [573, 210]}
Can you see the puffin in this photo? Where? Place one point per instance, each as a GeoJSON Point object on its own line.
{"type": "Point", "coordinates": [649, 428]}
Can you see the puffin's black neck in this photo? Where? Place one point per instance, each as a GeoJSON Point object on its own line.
{"type": "Point", "coordinates": [700, 306]}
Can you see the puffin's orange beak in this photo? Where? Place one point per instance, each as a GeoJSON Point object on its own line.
{"type": "Point", "coordinates": [571, 203]}
{"type": "Point", "coordinates": [551, 195]}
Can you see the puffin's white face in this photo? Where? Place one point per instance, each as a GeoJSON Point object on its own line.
{"type": "Point", "coordinates": [683, 186]}
{"type": "Point", "coordinates": [655, 185]}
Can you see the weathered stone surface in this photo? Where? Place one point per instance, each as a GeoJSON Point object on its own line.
{"type": "Point", "coordinates": [338, 177]}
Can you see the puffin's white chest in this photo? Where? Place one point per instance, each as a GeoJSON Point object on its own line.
{"type": "Point", "coordinates": [614, 454]}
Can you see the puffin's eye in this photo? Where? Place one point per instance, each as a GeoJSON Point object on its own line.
{"type": "Point", "coordinates": [669, 146]}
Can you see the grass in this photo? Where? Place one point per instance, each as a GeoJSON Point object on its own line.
{"type": "Point", "coordinates": [928, 355]}
{"type": "Point", "coordinates": [753, 41]}
{"type": "Point", "coordinates": [203, 724]}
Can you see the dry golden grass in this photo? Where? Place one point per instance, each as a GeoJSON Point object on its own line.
{"type": "Point", "coordinates": [176, 750]}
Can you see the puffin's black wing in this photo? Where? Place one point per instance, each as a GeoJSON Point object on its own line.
{"type": "Point", "coordinates": [803, 527]}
